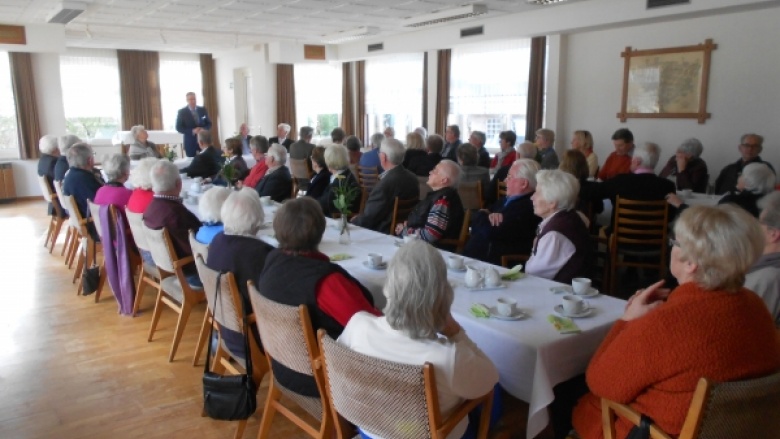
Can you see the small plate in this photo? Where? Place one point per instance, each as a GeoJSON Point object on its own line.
{"type": "Point", "coordinates": [586, 313]}
{"type": "Point", "coordinates": [518, 315]}
{"type": "Point", "coordinates": [381, 266]}
{"type": "Point", "coordinates": [486, 288]}
{"type": "Point", "coordinates": [592, 292]}
{"type": "Point", "coordinates": [399, 243]}
{"type": "Point", "coordinates": [457, 270]}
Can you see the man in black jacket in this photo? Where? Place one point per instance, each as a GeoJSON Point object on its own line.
{"type": "Point", "coordinates": [208, 162]}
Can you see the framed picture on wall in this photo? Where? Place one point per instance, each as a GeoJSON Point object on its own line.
{"type": "Point", "coordinates": [666, 83]}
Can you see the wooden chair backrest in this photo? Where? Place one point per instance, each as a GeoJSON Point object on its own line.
{"type": "Point", "coordinates": [161, 248]}
{"type": "Point", "coordinates": [641, 223]}
{"type": "Point", "coordinates": [227, 312]}
{"type": "Point", "coordinates": [463, 236]}
{"type": "Point", "coordinates": [501, 189]}
{"type": "Point", "coordinates": [94, 213]}
{"type": "Point", "coordinates": [46, 190]}
{"type": "Point", "coordinates": [198, 248]}
{"type": "Point", "coordinates": [368, 176]}
{"type": "Point", "coordinates": [471, 194]}
{"type": "Point", "coordinates": [75, 219]}
{"type": "Point", "coordinates": [301, 168]}
{"type": "Point", "coordinates": [136, 222]}
{"type": "Point", "coordinates": [401, 210]}
{"type": "Point", "coordinates": [58, 190]}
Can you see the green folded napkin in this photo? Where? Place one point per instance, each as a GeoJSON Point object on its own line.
{"type": "Point", "coordinates": [563, 325]}
{"type": "Point", "coordinates": [480, 311]}
{"type": "Point", "coordinates": [514, 273]}
{"type": "Point", "coordinates": [340, 257]}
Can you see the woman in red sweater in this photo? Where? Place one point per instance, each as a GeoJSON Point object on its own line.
{"type": "Point", "coordinates": [709, 327]}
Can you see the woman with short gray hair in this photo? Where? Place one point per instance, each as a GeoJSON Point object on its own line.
{"type": "Point", "coordinates": [142, 147]}
{"type": "Point", "coordinates": [337, 160]}
{"type": "Point", "coordinates": [141, 180]}
{"type": "Point", "coordinates": [210, 207]}
{"type": "Point", "coordinates": [418, 327]}
{"type": "Point", "coordinates": [561, 251]}
{"type": "Point", "coordinates": [756, 181]}
{"type": "Point", "coordinates": [277, 182]}
{"type": "Point", "coordinates": [686, 168]}
{"type": "Point", "coordinates": [64, 143]}
{"type": "Point", "coordinates": [117, 169]}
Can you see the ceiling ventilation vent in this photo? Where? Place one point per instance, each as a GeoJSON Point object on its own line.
{"type": "Point", "coordinates": [472, 31]}
{"type": "Point", "coordinates": [661, 3]}
{"type": "Point", "coordinates": [446, 15]}
{"type": "Point", "coordinates": [544, 2]}
{"type": "Point", "coordinates": [376, 47]}
{"type": "Point", "coordinates": [350, 35]}
{"type": "Point", "coordinates": [67, 12]}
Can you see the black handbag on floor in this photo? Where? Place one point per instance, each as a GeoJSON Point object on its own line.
{"type": "Point", "coordinates": [90, 277]}
{"type": "Point", "coordinates": [229, 397]}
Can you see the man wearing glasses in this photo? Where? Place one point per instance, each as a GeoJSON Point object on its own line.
{"type": "Point", "coordinates": [750, 147]}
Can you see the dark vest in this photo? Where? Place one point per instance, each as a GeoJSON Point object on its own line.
{"type": "Point", "coordinates": [570, 225]}
{"type": "Point", "coordinates": [419, 215]}
{"type": "Point", "coordinates": [293, 280]}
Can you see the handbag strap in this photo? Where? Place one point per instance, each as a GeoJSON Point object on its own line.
{"type": "Point", "coordinates": [247, 352]}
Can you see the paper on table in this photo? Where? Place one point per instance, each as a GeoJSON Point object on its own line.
{"type": "Point", "coordinates": [563, 325]}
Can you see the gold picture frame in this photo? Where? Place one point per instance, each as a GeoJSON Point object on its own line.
{"type": "Point", "coordinates": [666, 83]}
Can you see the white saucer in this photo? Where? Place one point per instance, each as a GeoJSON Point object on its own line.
{"type": "Point", "coordinates": [487, 288]}
{"type": "Point", "coordinates": [457, 270]}
{"type": "Point", "coordinates": [592, 292]}
{"type": "Point", "coordinates": [399, 243]}
{"type": "Point", "coordinates": [586, 313]}
{"type": "Point", "coordinates": [381, 266]}
{"type": "Point", "coordinates": [518, 315]}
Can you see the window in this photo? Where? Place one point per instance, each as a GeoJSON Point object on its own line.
{"type": "Point", "coordinates": [179, 75]}
{"type": "Point", "coordinates": [489, 89]}
{"type": "Point", "coordinates": [394, 94]}
{"type": "Point", "coordinates": [90, 93]}
{"type": "Point", "coordinates": [318, 98]}
{"type": "Point", "coordinates": [9, 139]}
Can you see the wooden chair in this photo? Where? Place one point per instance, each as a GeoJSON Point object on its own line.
{"type": "Point", "coordinates": [301, 171]}
{"type": "Point", "coordinates": [94, 213]}
{"type": "Point", "coordinates": [294, 191]}
{"type": "Point", "coordinates": [200, 249]}
{"type": "Point", "coordinates": [148, 274]}
{"type": "Point", "coordinates": [501, 190]}
{"type": "Point", "coordinates": [471, 195]}
{"type": "Point", "coordinates": [228, 313]}
{"type": "Point", "coordinates": [640, 232]}
{"type": "Point", "coordinates": [57, 218]}
{"type": "Point", "coordinates": [81, 240]}
{"type": "Point", "coordinates": [71, 237]}
{"type": "Point", "coordinates": [401, 210]}
{"type": "Point", "coordinates": [510, 261]}
{"type": "Point", "coordinates": [174, 290]}
{"type": "Point", "coordinates": [463, 237]}
{"type": "Point", "coordinates": [389, 399]}
{"type": "Point", "coordinates": [288, 338]}
{"type": "Point", "coordinates": [736, 410]}
{"type": "Point", "coordinates": [368, 176]}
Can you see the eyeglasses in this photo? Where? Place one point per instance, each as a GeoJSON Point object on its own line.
{"type": "Point", "coordinates": [673, 242]}
{"type": "Point", "coordinates": [751, 145]}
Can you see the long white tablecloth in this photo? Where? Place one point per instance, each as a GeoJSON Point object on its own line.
{"type": "Point", "coordinates": [531, 356]}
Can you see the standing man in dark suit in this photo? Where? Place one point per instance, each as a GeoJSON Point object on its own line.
{"type": "Point", "coordinates": [190, 120]}
{"type": "Point", "coordinates": [282, 130]}
{"type": "Point", "coordinates": [244, 137]}
{"type": "Point", "coordinates": [396, 181]}
{"type": "Point", "coordinates": [208, 163]}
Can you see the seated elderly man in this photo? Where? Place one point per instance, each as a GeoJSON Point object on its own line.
{"type": "Point", "coordinates": [209, 160]}
{"type": "Point", "coordinates": [282, 131]}
{"type": "Point", "coordinates": [63, 144]}
{"type": "Point", "coordinates": [371, 158]}
{"type": "Point", "coordinates": [619, 162]}
{"type": "Point", "coordinates": [46, 163]}
{"type": "Point", "coordinates": [142, 147]}
{"type": "Point", "coordinates": [396, 181]}
{"type": "Point", "coordinates": [258, 145]}
{"type": "Point", "coordinates": [562, 248]}
{"type": "Point", "coordinates": [763, 277]}
{"type": "Point", "coordinates": [440, 214]}
{"type": "Point", "coordinates": [509, 227]}
{"type": "Point", "coordinates": [277, 182]}
{"type": "Point", "coordinates": [545, 139]}
{"type": "Point", "coordinates": [167, 211]}
{"type": "Point", "coordinates": [303, 147]}
{"type": "Point", "coordinates": [687, 168]}
{"type": "Point", "coordinates": [525, 150]}
{"type": "Point", "coordinates": [478, 139]}
{"type": "Point", "coordinates": [750, 147]}
{"type": "Point", "coordinates": [81, 182]}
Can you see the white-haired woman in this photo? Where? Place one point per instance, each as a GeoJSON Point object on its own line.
{"type": "Point", "coordinates": [709, 326]}
{"type": "Point", "coordinates": [418, 327]}
{"type": "Point", "coordinates": [210, 207]}
{"type": "Point", "coordinates": [63, 144]}
{"type": "Point", "coordinates": [46, 163]}
{"type": "Point", "coordinates": [277, 182]}
{"type": "Point", "coordinates": [562, 247]}
{"type": "Point", "coordinates": [117, 169]}
{"type": "Point", "coordinates": [687, 168]}
{"type": "Point", "coordinates": [337, 161]}
{"type": "Point", "coordinates": [141, 180]}
{"type": "Point", "coordinates": [142, 147]}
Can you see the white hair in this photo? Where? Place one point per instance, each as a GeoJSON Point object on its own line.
{"type": "Point", "coordinates": [141, 174]}
{"type": "Point", "coordinates": [691, 146]}
{"type": "Point", "coordinates": [376, 140]}
{"type": "Point", "coordinates": [65, 142]}
{"type": "Point", "coordinates": [527, 169]}
{"type": "Point", "coordinates": [242, 213]}
{"type": "Point", "coordinates": [47, 144]}
{"type": "Point", "coordinates": [210, 204]}
{"type": "Point", "coordinates": [770, 210]}
{"type": "Point", "coordinates": [115, 166]}
{"type": "Point", "coordinates": [759, 179]}
{"type": "Point", "coordinates": [648, 155]}
{"type": "Point", "coordinates": [421, 131]}
{"type": "Point", "coordinates": [286, 127]}
{"type": "Point", "coordinates": [526, 150]}
{"type": "Point", "coordinates": [394, 150]}
{"type": "Point", "coordinates": [136, 130]}
{"type": "Point", "coordinates": [558, 187]}
{"type": "Point", "coordinates": [452, 171]}
{"type": "Point", "coordinates": [337, 157]}
{"type": "Point", "coordinates": [79, 155]}
{"type": "Point", "coordinates": [279, 153]}
{"type": "Point", "coordinates": [164, 176]}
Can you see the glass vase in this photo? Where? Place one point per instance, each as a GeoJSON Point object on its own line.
{"type": "Point", "coordinates": [344, 238]}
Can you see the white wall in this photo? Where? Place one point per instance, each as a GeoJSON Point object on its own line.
{"type": "Point", "coordinates": [743, 92]}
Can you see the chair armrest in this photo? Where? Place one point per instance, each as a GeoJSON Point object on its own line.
{"type": "Point", "coordinates": [611, 409]}
{"type": "Point", "coordinates": [463, 411]}
{"type": "Point", "coordinates": [180, 263]}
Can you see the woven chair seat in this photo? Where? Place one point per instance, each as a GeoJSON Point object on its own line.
{"type": "Point", "coordinates": [172, 287]}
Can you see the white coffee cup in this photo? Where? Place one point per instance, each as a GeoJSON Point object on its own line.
{"type": "Point", "coordinates": [374, 259]}
{"type": "Point", "coordinates": [492, 278]}
{"type": "Point", "coordinates": [573, 305]}
{"type": "Point", "coordinates": [266, 200]}
{"type": "Point", "coordinates": [686, 193]}
{"type": "Point", "coordinates": [455, 262]}
{"type": "Point", "coordinates": [580, 285]}
{"type": "Point", "coordinates": [506, 306]}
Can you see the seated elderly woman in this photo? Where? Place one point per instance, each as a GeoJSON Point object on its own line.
{"type": "Point", "coordinates": [277, 182]}
{"type": "Point", "coordinates": [582, 141]}
{"type": "Point", "coordinates": [64, 143]}
{"type": "Point", "coordinates": [117, 169]}
{"type": "Point", "coordinates": [687, 168]}
{"type": "Point", "coordinates": [297, 273]}
{"type": "Point", "coordinates": [258, 147]}
{"type": "Point", "coordinates": [337, 160]}
{"type": "Point", "coordinates": [321, 180]}
{"type": "Point", "coordinates": [239, 251]}
{"type": "Point", "coordinates": [141, 180]}
{"type": "Point", "coordinates": [142, 147]}
{"type": "Point", "coordinates": [418, 327]}
{"type": "Point", "coordinates": [234, 148]}
{"type": "Point", "coordinates": [46, 164]}
{"type": "Point", "coordinates": [562, 248]}
{"type": "Point", "coordinates": [728, 333]}
{"type": "Point", "coordinates": [354, 145]}
{"type": "Point", "coordinates": [210, 207]}
{"type": "Point", "coordinates": [763, 277]}
{"type": "Point", "coordinates": [415, 152]}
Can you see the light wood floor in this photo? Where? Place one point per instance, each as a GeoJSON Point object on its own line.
{"type": "Point", "coordinates": [71, 368]}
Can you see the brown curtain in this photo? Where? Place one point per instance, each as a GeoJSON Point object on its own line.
{"type": "Point", "coordinates": [360, 78]}
{"type": "Point", "coordinates": [209, 76]}
{"type": "Point", "coordinates": [139, 88]}
{"type": "Point", "coordinates": [443, 91]}
{"type": "Point", "coordinates": [23, 84]}
{"type": "Point", "coordinates": [347, 113]}
{"type": "Point", "coordinates": [285, 97]}
{"type": "Point", "coordinates": [425, 91]}
{"type": "Point", "coordinates": [535, 110]}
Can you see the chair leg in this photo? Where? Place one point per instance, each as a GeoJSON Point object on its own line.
{"type": "Point", "coordinates": [56, 235]}
{"type": "Point", "coordinates": [240, 429]}
{"type": "Point", "coordinates": [270, 410]}
{"type": "Point", "coordinates": [186, 309]}
{"type": "Point", "coordinates": [139, 292]}
{"type": "Point", "coordinates": [66, 244]}
{"type": "Point", "coordinates": [49, 232]}
{"type": "Point", "coordinates": [204, 333]}
{"type": "Point", "coordinates": [484, 419]}
{"type": "Point", "coordinates": [156, 315]}
{"type": "Point", "coordinates": [101, 281]}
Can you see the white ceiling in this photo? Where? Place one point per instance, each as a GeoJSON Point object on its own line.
{"type": "Point", "coordinates": [214, 25]}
